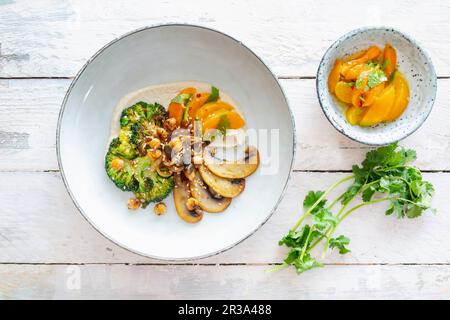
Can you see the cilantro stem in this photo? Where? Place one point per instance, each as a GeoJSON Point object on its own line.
{"type": "Point", "coordinates": [278, 267]}
{"type": "Point", "coordinates": [308, 212]}
{"type": "Point", "coordinates": [328, 230]}
{"type": "Point", "coordinates": [306, 244]}
{"type": "Point", "coordinates": [336, 201]}
{"type": "Point", "coordinates": [330, 233]}
{"type": "Point", "coordinates": [359, 206]}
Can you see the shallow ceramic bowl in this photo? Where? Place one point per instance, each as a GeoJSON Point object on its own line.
{"type": "Point", "coordinates": [157, 55]}
{"type": "Point", "coordinates": [413, 62]}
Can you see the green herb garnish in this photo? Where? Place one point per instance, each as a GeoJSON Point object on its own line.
{"type": "Point", "coordinates": [214, 96]}
{"type": "Point", "coordinates": [224, 124]}
{"type": "Point", "coordinates": [386, 173]}
{"type": "Point", "coordinates": [182, 98]}
{"type": "Point", "coordinates": [375, 78]}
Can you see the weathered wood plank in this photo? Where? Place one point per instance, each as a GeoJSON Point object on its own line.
{"type": "Point", "coordinates": [55, 38]}
{"type": "Point", "coordinates": [29, 111]}
{"type": "Point", "coordinates": [39, 224]}
{"type": "Point", "coordinates": [221, 282]}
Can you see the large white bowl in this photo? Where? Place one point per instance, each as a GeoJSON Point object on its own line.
{"type": "Point", "coordinates": [163, 54]}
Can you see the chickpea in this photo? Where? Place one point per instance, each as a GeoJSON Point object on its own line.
{"type": "Point", "coordinates": [133, 204]}
{"type": "Point", "coordinates": [192, 204]}
{"type": "Point", "coordinates": [154, 154]}
{"type": "Point", "coordinates": [162, 133]}
{"type": "Point", "coordinates": [160, 208]}
{"type": "Point", "coordinates": [155, 143]}
{"type": "Point", "coordinates": [170, 124]}
{"type": "Point", "coordinates": [117, 164]}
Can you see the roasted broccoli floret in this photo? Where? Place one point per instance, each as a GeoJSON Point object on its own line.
{"type": "Point", "coordinates": [141, 135]}
{"type": "Point", "coordinates": [123, 163]}
{"type": "Point", "coordinates": [118, 168]}
{"type": "Point", "coordinates": [160, 190]}
{"type": "Point", "coordinates": [142, 111]}
{"type": "Point", "coordinates": [125, 147]}
{"type": "Point", "coordinates": [142, 173]}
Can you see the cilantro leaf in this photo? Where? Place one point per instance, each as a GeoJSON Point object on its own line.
{"type": "Point", "coordinates": [214, 96]}
{"type": "Point", "coordinates": [340, 243]}
{"type": "Point", "coordinates": [375, 78]}
{"type": "Point", "coordinates": [312, 198]}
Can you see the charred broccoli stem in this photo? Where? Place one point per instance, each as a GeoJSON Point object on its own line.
{"type": "Point", "coordinates": [118, 168]}
{"type": "Point", "coordinates": [142, 111]}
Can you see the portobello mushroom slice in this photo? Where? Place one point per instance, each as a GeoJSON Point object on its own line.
{"type": "Point", "coordinates": [205, 199]}
{"type": "Point", "coordinates": [228, 188]}
{"type": "Point", "coordinates": [235, 170]}
{"type": "Point", "coordinates": [181, 194]}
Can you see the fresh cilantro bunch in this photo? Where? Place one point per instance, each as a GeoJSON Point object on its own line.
{"type": "Point", "coordinates": [384, 173]}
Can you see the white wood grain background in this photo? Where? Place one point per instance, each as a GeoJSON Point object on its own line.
{"type": "Point", "coordinates": [45, 244]}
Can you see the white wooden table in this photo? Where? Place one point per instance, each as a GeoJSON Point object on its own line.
{"type": "Point", "coordinates": [47, 250]}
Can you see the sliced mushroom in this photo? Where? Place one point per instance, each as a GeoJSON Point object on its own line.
{"type": "Point", "coordinates": [181, 194]}
{"type": "Point", "coordinates": [229, 188]}
{"type": "Point", "coordinates": [235, 170]}
{"type": "Point", "coordinates": [206, 200]}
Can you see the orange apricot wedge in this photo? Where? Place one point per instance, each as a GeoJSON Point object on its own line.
{"type": "Point", "coordinates": [335, 75]}
{"type": "Point", "coordinates": [380, 108]}
{"type": "Point", "coordinates": [176, 111]}
{"type": "Point", "coordinates": [210, 108]}
{"type": "Point", "coordinates": [189, 90]}
{"type": "Point", "coordinates": [358, 93]}
{"type": "Point", "coordinates": [353, 72]}
{"type": "Point", "coordinates": [389, 60]}
{"type": "Point", "coordinates": [372, 94]}
{"type": "Point", "coordinates": [372, 53]}
{"type": "Point", "coordinates": [223, 119]}
{"type": "Point", "coordinates": [354, 56]}
{"type": "Point", "coordinates": [354, 114]}
{"type": "Point", "coordinates": [401, 97]}
{"type": "Point", "coordinates": [197, 101]}
{"type": "Point", "coordinates": [343, 92]}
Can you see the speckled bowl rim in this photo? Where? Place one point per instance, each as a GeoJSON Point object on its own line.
{"type": "Point", "coordinates": [411, 40]}
{"type": "Point", "coordinates": [97, 228]}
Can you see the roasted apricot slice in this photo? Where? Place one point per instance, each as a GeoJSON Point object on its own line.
{"type": "Point", "coordinates": [353, 72]}
{"type": "Point", "coordinates": [210, 108]}
{"type": "Point", "coordinates": [189, 90]}
{"type": "Point", "coordinates": [343, 92]}
{"type": "Point", "coordinates": [354, 114]}
{"type": "Point", "coordinates": [225, 119]}
{"type": "Point", "coordinates": [389, 60]}
{"type": "Point", "coordinates": [334, 76]}
{"type": "Point", "coordinates": [380, 108]}
{"type": "Point", "coordinates": [372, 94]}
{"type": "Point", "coordinates": [197, 101]}
{"type": "Point", "coordinates": [176, 111]}
{"type": "Point", "coordinates": [401, 97]}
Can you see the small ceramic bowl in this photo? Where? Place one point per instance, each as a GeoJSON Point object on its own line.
{"type": "Point", "coordinates": [158, 55]}
{"type": "Point", "coordinates": [413, 62]}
